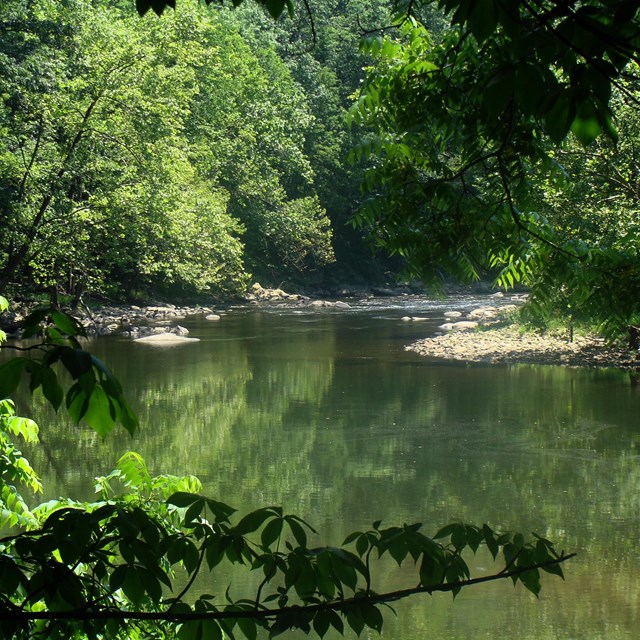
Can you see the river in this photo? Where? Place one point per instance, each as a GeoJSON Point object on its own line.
{"type": "Point", "coordinates": [323, 412]}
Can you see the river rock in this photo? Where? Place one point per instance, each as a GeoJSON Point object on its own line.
{"type": "Point", "coordinates": [450, 315]}
{"type": "Point", "coordinates": [405, 319]}
{"type": "Point", "coordinates": [166, 339]}
{"type": "Point", "coordinates": [418, 319]}
{"type": "Point", "coordinates": [342, 305]}
{"type": "Point", "coordinates": [258, 293]}
{"type": "Point", "coordinates": [212, 316]}
{"type": "Point", "coordinates": [464, 325]}
{"type": "Point", "coordinates": [180, 331]}
{"type": "Point", "coordinates": [156, 331]}
{"type": "Point", "coordinates": [483, 313]}
{"type": "Point", "coordinates": [108, 329]}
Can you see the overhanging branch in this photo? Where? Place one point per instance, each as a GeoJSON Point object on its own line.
{"type": "Point", "coordinates": [18, 615]}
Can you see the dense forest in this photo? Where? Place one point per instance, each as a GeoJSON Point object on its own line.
{"type": "Point", "coordinates": [178, 156]}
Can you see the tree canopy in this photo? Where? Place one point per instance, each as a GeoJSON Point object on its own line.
{"type": "Point", "coordinates": [157, 148]}
{"type": "Point", "coordinates": [145, 154]}
{"type": "Point", "coordinates": [469, 132]}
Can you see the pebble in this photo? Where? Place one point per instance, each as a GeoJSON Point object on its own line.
{"type": "Point", "coordinates": [509, 345]}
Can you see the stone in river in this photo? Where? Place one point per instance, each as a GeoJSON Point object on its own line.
{"type": "Point", "coordinates": [166, 339]}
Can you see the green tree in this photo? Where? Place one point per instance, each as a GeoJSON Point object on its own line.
{"type": "Point", "coordinates": [465, 129]}
{"type": "Point", "coordinates": [99, 190]}
{"type": "Point", "coordinates": [140, 160]}
{"type": "Point", "coordinates": [596, 204]}
{"type": "Point", "coordinates": [249, 125]}
{"type": "Point", "coordinates": [330, 69]}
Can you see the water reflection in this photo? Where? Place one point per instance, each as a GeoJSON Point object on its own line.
{"type": "Point", "coordinates": [326, 414]}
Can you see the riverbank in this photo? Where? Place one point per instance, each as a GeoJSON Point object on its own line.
{"type": "Point", "coordinates": [508, 345]}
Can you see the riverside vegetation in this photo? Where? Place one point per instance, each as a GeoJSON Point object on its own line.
{"type": "Point", "coordinates": [175, 154]}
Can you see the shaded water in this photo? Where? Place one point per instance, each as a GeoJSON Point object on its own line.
{"type": "Point", "coordinates": [325, 413]}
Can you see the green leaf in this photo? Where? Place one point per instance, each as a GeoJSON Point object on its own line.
{"type": "Point", "coordinates": [343, 569]}
{"type": "Point", "coordinates": [77, 402]}
{"type": "Point", "coordinates": [531, 580]}
{"type": "Point", "coordinates": [559, 118]}
{"type": "Point", "coordinates": [298, 532]}
{"type": "Point", "coordinates": [271, 532]}
{"type": "Point", "coordinates": [191, 557]}
{"type": "Point", "coordinates": [531, 87]}
{"type": "Point", "coordinates": [253, 521]}
{"type": "Point", "coordinates": [483, 19]}
{"type": "Point", "coordinates": [50, 388]}
{"type": "Point", "coordinates": [446, 531]}
{"type": "Point", "coordinates": [274, 7]}
{"type": "Point", "coordinates": [362, 545]}
{"type": "Point", "coordinates": [490, 540]}
{"type": "Point", "coordinates": [200, 630]}
{"type": "Point", "coordinates": [182, 499]}
{"type": "Point", "coordinates": [66, 323]}
{"type": "Point", "coordinates": [133, 585]}
{"type": "Point", "coordinates": [100, 413]}
{"type": "Point", "coordinates": [194, 512]}
{"type": "Point", "coordinates": [151, 585]}
{"type": "Point", "coordinates": [321, 622]}
{"type": "Point", "coordinates": [355, 619]}
{"type": "Point", "coordinates": [248, 628]}
{"type": "Point", "coordinates": [10, 373]}
{"type": "Point", "coordinates": [76, 361]}
{"type": "Point", "coordinates": [586, 125]}
{"type": "Point", "coordinates": [372, 617]}
{"type": "Point", "coordinates": [431, 571]}
{"type": "Point", "coordinates": [126, 416]}
{"type": "Point", "coordinates": [351, 537]}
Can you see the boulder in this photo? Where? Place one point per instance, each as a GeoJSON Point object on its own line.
{"type": "Point", "coordinates": [165, 339]}
{"type": "Point", "coordinates": [452, 314]}
{"type": "Point", "coordinates": [322, 303]}
{"type": "Point", "coordinates": [483, 313]}
{"type": "Point", "coordinates": [464, 325]}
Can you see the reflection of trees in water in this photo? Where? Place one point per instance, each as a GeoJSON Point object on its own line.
{"type": "Point", "coordinates": [532, 447]}
{"type": "Point", "coordinates": [299, 419]}
{"type": "Point", "coordinates": [241, 424]}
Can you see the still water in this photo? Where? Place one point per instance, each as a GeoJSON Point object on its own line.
{"type": "Point", "coordinates": [323, 412]}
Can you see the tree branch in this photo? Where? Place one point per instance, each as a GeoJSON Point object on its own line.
{"type": "Point", "coordinates": [268, 614]}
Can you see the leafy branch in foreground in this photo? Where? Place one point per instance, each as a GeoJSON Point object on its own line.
{"type": "Point", "coordinates": [107, 565]}
{"type": "Point", "coordinates": [95, 395]}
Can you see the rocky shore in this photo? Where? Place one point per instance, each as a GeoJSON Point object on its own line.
{"type": "Point", "coordinates": [476, 336]}
{"type": "Point", "coordinates": [159, 323]}
{"type": "Point", "coordinates": [508, 345]}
